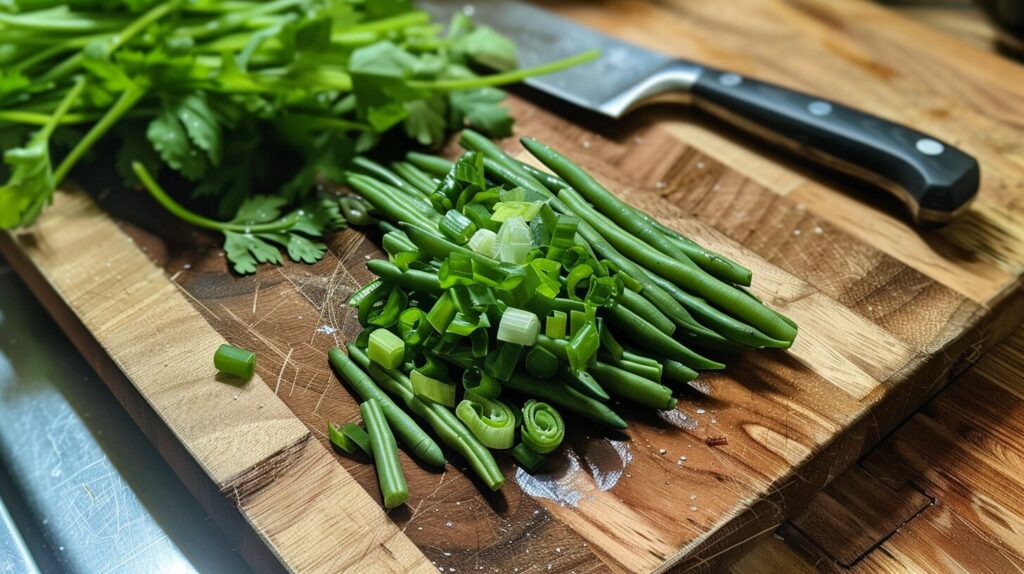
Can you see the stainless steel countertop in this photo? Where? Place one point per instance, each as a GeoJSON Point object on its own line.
{"type": "Point", "coordinates": [82, 489]}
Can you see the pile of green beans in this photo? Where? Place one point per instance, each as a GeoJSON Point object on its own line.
{"type": "Point", "coordinates": [598, 271]}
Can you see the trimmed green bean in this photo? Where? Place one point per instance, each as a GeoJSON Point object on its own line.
{"type": "Point", "coordinates": [676, 372]}
{"type": "Point", "coordinates": [412, 280]}
{"type": "Point", "coordinates": [448, 427]}
{"type": "Point", "coordinates": [643, 308]}
{"type": "Point", "coordinates": [393, 487]}
{"type": "Point", "coordinates": [410, 433]}
{"type": "Point", "coordinates": [412, 174]}
{"type": "Point", "coordinates": [548, 180]}
{"type": "Point", "coordinates": [567, 397]}
{"type": "Point", "coordinates": [434, 165]}
{"type": "Point", "coordinates": [712, 289]}
{"type": "Point", "coordinates": [398, 209]}
{"type": "Point", "coordinates": [381, 173]}
{"type": "Point", "coordinates": [646, 371]}
{"type": "Point", "coordinates": [646, 336]}
{"type": "Point", "coordinates": [636, 221]}
{"type": "Point", "coordinates": [634, 387]}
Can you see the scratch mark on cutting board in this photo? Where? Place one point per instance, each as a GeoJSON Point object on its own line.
{"type": "Point", "coordinates": [255, 296]}
{"type": "Point", "coordinates": [280, 374]}
{"type": "Point", "coordinates": [197, 301]}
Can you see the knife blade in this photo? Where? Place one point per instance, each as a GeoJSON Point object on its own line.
{"type": "Point", "coordinates": [935, 180]}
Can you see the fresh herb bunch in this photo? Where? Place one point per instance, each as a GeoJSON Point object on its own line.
{"type": "Point", "coordinates": [211, 90]}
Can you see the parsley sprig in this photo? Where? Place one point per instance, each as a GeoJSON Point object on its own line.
{"type": "Point", "coordinates": [212, 92]}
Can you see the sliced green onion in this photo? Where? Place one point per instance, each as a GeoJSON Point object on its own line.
{"type": "Point", "coordinates": [501, 362]}
{"type": "Point", "coordinates": [393, 487]}
{"type": "Point", "coordinates": [505, 210]}
{"type": "Point", "coordinates": [563, 234]}
{"type": "Point", "coordinates": [529, 460]}
{"type": "Point", "coordinates": [514, 194]}
{"type": "Point", "coordinates": [457, 269]}
{"type": "Point", "coordinates": [481, 383]}
{"type": "Point", "coordinates": [554, 326]}
{"type": "Point", "coordinates": [440, 392]}
{"type": "Point", "coordinates": [386, 349]}
{"type": "Point", "coordinates": [514, 241]}
{"type": "Point", "coordinates": [235, 361]}
{"type": "Point", "coordinates": [480, 215]}
{"type": "Point", "coordinates": [541, 363]}
{"type": "Point", "coordinates": [491, 421]}
{"type": "Point", "coordinates": [413, 326]}
{"type": "Point", "coordinates": [603, 291]}
{"type": "Point", "coordinates": [578, 274]}
{"type": "Point", "coordinates": [350, 438]}
{"type": "Point", "coordinates": [583, 345]}
{"type": "Point", "coordinates": [429, 365]}
{"type": "Point", "coordinates": [608, 340]}
{"type": "Point", "coordinates": [441, 313]}
{"type": "Point", "coordinates": [543, 428]}
{"type": "Point", "coordinates": [456, 227]}
{"type": "Point", "coordinates": [519, 327]}
{"type": "Point", "coordinates": [482, 242]}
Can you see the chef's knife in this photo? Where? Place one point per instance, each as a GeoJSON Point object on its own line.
{"type": "Point", "coordinates": [934, 179]}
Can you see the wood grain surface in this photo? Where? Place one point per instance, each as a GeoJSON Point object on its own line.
{"type": "Point", "coordinates": [887, 314]}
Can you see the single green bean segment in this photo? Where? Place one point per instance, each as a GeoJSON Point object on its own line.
{"type": "Point", "coordinates": [410, 433]}
{"type": "Point", "coordinates": [644, 335]}
{"type": "Point", "coordinates": [393, 487]}
{"type": "Point", "coordinates": [235, 361]}
{"type": "Point", "coordinates": [529, 460]}
{"type": "Point", "coordinates": [566, 397]}
{"type": "Point", "coordinates": [444, 422]}
{"type": "Point", "coordinates": [633, 387]}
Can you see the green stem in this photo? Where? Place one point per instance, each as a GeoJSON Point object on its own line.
{"type": "Point", "coordinates": [65, 105]}
{"type": "Point", "coordinates": [507, 77]}
{"type": "Point", "coordinates": [40, 119]}
{"type": "Point", "coordinates": [122, 105]}
{"type": "Point", "coordinates": [140, 24]}
{"type": "Point", "coordinates": [184, 214]}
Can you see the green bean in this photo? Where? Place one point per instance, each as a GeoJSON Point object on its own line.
{"type": "Point", "coordinates": [393, 487]}
{"type": "Point", "coordinates": [636, 221]}
{"type": "Point", "coordinates": [726, 325]}
{"type": "Point", "coordinates": [510, 178]}
{"type": "Point", "coordinates": [567, 397]}
{"type": "Point", "coordinates": [647, 311]}
{"type": "Point", "coordinates": [417, 203]}
{"type": "Point", "coordinates": [677, 372]}
{"type": "Point", "coordinates": [415, 177]}
{"type": "Point", "coordinates": [646, 371]}
{"type": "Point", "coordinates": [407, 430]}
{"type": "Point", "coordinates": [640, 359]}
{"type": "Point", "coordinates": [397, 208]}
{"type": "Point", "coordinates": [723, 295]}
{"type": "Point", "coordinates": [381, 173]}
{"type": "Point", "coordinates": [480, 143]}
{"type": "Point", "coordinates": [448, 427]}
{"type": "Point", "coordinates": [411, 280]}
{"type": "Point", "coordinates": [439, 247]}
{"type": "Point", "coordinates": [633, 387]}
{"type": "Point", "coordinates": [548, 180]}
{"type": "Point", "coordinates": [644, 335]}
{"type": "Point", "coordinates": [434, 165]}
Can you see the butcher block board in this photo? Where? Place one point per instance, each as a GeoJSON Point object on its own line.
{"type": "Point", "coordinates": [887, 315]}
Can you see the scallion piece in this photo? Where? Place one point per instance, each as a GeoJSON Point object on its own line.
{"type": "Point", "coordinates": [393, 487]}
{"type": "Point", "coordinates": [543, 428]}
{"type": "Point", "coordinates": [479, 382]}
{"type": "Point", "coordinates": [235, 361]}
{"type": "Point", "coordinates": [441, 313]}
{"type": "Point", "coordinates": [456, 227]}
{"type": "Point", "coordinates": [491, 421]}
{"type": "Point", "coordinates": [514, 241]}
{"type": "Point", "coordinates": [529, 460]}
{"type": "Point", "coordinates": [501, 362]}
{"type": "Point", "coordinates": [440, 392]}
{"type": "Point", "coordinates": [350, 438]}
{"type": "Point", "coordinates": [482, 242]}
{"type": "Point", "coordinates": [505, 210]}
{"type": "Point", "coordinates": [413, 326]}
{"type": "Point", "coordinates": [583, 345]}
{"type": "Point", "coordinates": [519, 327]}
{"type": "Point", "coordinates": [386, 348]}
{"type": "Point", "coordinates": [554, 326]}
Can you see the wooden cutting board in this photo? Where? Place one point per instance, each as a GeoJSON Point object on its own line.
{"type": "Point", "coordinates": [887, 315]}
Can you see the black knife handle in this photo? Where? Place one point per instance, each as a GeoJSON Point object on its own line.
{"type": "Point", "coordinates": [934, 179]}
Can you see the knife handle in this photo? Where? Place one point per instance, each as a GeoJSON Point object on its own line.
{"type": "Point", "coordinates": [934, 179]}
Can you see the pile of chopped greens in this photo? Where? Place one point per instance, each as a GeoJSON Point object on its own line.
{"type": "Point", "coordinates": [513, 295]}
{"type": "Point", "coordinates": [210, 93]}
